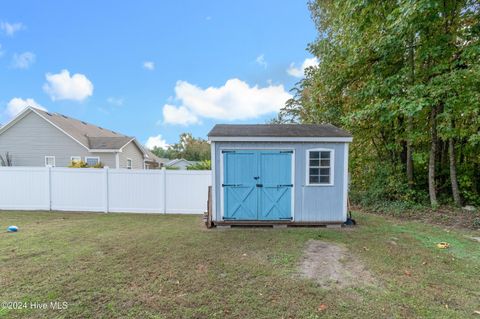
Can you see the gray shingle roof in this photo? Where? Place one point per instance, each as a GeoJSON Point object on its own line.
{"type": "Point", "coordinates": [89, 135]}
{"type": "Point", "coordinates": [277, 130]}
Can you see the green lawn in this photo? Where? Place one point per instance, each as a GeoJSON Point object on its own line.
{"type": "Point", "coordinates": [155, 266]}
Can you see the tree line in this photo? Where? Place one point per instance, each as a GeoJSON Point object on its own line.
{"type": "Point", "coordinates": [404, 78]}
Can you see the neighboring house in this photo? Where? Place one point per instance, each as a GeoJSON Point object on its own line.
{"type": "Point", "coordinates": [152, 161]}
{"type": "Point", "coordinates": [281, 173]}
{"type": "Point", "coordinates": [179, 163]}
{"type": "Point", "coordinates": [39, 138]}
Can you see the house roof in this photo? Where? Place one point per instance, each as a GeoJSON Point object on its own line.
{"type": "Point", "coordinates": [279, 131]}
{"type": "Point", "coordinates": [154, 158]}
{"type": "Point", "coordinates": [92, 137]}
{"type": "Point", "coordinates": [176, 161]}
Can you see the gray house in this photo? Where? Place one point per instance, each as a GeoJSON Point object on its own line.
{"type": "Point", "coordinates": [279, 173]}
{"type": "Point", "coordinates": [39, 138]}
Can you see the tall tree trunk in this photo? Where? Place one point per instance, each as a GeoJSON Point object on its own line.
{"type": "Point", "coordinates": [453, 173]}
{"type": "Point", "coordinates": [409, 119]}
{"type": "Point", "coordinates": [410, 157]}
{"type": "Point", "coordinates": [433, 154]}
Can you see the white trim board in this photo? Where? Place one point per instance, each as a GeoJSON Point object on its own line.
{"type": "Point", "coordinates": [279, 139]}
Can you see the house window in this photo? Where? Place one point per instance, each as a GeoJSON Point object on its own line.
{"type": "Point", "coordinates": [320, 167]}
{"type": "Point", "coordinates": [50, 161]}
{"type": "Point", "coordinates": [129, 163]}
{"type": "Point", "coordinates": [75, 159]}
{"type": "Point", "coordinates": [92, 161]}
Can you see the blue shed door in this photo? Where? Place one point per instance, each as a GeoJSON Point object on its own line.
{"type": "Point", "coordinates": [257, 185]}
{"type": "Point", "coordinates": [239, 185]}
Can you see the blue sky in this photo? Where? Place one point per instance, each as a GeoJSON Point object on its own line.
{"type": "Point", "coordinates": [153, 68]}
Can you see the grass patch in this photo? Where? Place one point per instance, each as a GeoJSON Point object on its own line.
{"type": "Point", "coordinates": [157, 266]}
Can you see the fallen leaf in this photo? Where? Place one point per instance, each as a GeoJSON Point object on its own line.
{"type": "Point", "coordinates": [446, 306]}
{"type": "Point", "coordinates": [477, 312]}
{"type": "Point", "coordinates": [366, 249]}
{"type": "Point", "coordinates": [408, 273]}
{"type": "Point", "coordinates": [424, 263]}
{"type": "Point", "coordinates": [322, 307]}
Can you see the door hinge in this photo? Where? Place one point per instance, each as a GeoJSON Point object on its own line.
{"type": "Point", "coordinates": [223, 151]}
{"type": "Point", "coordinates": [286, 218]}
{"type": "Point", "coordinates": [259, 185]}
{"type": "Point", "coordinates": [228, 218]}
{"type": "Point", "coordinates": [285, 185]}
{"type": "Point", "coordinates": [291, 152]}
{"type": "Point", "coordinates": [232, 185]}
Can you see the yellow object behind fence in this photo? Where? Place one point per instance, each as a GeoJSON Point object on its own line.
{"type": "Point", "coordinates": [443, 245]}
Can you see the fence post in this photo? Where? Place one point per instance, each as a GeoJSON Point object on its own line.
{"type": "Point", "coordinates": [106, 189]}
{"type": "Point", "coordinates": [49, 179]}
{"type": "Point", "coordinates": [164, 176]}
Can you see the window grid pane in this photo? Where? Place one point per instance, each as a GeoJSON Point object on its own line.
{"type": "Point", "coordinates": [92, 161]}
{"type": "Point", "coordinates": [319, 167]}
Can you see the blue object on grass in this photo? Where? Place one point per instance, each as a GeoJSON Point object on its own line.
{"type": "Point", "coordinates": [12, 228]}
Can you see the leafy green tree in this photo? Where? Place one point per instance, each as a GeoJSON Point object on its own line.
{"type": "Point", "coordinates": [203, 165]}
{"type": "Point", "coordinates": [188, 147]}
{"type": "Point", "coordinates": [404, 78]}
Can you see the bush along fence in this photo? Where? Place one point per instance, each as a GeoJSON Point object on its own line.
{"type": "Point", "coordinates": [104, 190]}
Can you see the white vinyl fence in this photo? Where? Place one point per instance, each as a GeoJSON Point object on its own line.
{"type": "Point", "coordinates": [104, 190]}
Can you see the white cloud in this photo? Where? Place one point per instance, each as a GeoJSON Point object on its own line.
{"type": "Point", "coordinates": [115, 101]}
{"type": "Point", "coordinates": [23, 61]}
{"type": "Point", "coordinates": [156, 141]}
{"type": "Point", "coordinates": [62, 86]}
{"type": "Point", "coordinates": [16, 105]}
{"type": "Point", "coordinates": [11, 28]}
{"type": "Point", "coordinates": [149, 65]}
{"type": "Point", "coordinates": [235, 100]}
{"type": "Point", "coordinates": [260, 60]}
{"type": "Point", "coordinates": [299, 72]}
{"type": "Point", "coordinates": [178, 115]}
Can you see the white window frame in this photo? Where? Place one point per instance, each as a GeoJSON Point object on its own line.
{"type": "Point", "coordinates": [332, 167]}
{"type": "Point", "coordinates": [75, 158]}
{"type": "Point", "coordinates": [131, 163]}
{"type": "Point", "coordinates": [90, 157]}
{"type": "Point", "coordinates": [49, 156]}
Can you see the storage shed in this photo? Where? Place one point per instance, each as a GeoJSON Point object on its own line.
{"type": "Point", "coordinates": [279, 174]}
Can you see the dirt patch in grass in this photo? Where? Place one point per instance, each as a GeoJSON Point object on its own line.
{"type": "Point", "coordinates": [333, 266]}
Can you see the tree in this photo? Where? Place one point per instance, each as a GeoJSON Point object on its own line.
{"type": "Point", "coordinates": [188, 147]}
{"type": "Point", "coordinates": [404, 78]}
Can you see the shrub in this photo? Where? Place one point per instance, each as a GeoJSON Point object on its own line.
{"type": "Point", "coordinates": [82, 164]}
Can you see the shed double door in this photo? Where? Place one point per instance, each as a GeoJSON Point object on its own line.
{"type": "Point", "coordinates": [257, 185]}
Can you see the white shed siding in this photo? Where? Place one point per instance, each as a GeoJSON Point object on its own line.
{"type": "Point", "coordinates": [33, 138]}
{"type": "Point", "coordinates": [131, 151]}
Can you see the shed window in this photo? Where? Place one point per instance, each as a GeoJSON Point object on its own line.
{"type": "Point", "coordinates": [50, 161]}
{"type": "Point", "coordinates": [129, 163]}
{"type": "Point", "coordinates": [92, 161]}
{"type": "Point", "coordinates": [320, 167]}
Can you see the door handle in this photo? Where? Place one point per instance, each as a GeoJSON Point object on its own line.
{"type": "Point", "coordinates": [256, 177]}
{"type": "Point", "coordinates": [259, 185]}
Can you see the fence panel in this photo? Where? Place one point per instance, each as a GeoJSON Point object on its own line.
{"type": "Point", "coordinates": [78, 189]}
{"type": "Point", "coordinates": [187, 191]}
{"type": "Point", "coordinates": [136, 191]}
{"type": "Point", "coordinates": [24, 188]}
